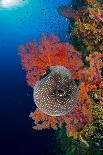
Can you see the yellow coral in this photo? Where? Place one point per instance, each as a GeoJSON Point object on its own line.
{"type": "Point", "coordinates": [73, 134]}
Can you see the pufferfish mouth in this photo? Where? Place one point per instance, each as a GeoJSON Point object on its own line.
{"type": "Point", "coordinates": [56, 93]}
{"type": "Point", "coordinates": [61, 93]}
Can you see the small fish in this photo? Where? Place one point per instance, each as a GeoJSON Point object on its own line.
{"type": "Point", "coordinates": [55, 94]}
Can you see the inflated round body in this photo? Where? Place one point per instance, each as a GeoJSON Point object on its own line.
{"type": "Point", "coordinates": [56, 93]}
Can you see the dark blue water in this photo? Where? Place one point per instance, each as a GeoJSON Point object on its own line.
{"type": "Point", "coordinates": [18, 26]}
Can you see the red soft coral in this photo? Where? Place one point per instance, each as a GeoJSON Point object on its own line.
{"type": "Point", "coordinates": [51, 52]}
{"type": "Point", "coordinates": [74, 121]}
{"type": "Point", "coordinates": [36, 57]}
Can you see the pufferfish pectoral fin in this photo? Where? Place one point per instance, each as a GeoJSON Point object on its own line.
{"type": "Point", "coordinates": [77, 82]}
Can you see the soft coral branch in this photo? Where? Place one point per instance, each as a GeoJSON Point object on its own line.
{"type": "Point", "coordinates": [35, 57]}
{"type": "Point", "coordinates": [74, 120]}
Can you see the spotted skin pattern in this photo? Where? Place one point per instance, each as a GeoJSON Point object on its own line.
{"type": "Point", "coordinates": [56, 93]}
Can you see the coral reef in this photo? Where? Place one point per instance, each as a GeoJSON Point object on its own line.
{"type": "Point", "coordinates": [84, 124]}
{"type": "Point", "coordinates": [41, 55]}
{"type": "Point", "coordinates": [88, 29]}
{"type": "Point", "coordinates": [87, 35]}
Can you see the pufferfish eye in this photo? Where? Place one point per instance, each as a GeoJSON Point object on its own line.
{"type": "Point", "coordinates": [56, 93]}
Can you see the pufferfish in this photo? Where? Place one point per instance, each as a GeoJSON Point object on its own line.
{"type": "Point", "coordinates": [55, 93]}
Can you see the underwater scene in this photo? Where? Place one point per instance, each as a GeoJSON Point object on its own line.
{"type": "Point", "coordinates": [51, 77]}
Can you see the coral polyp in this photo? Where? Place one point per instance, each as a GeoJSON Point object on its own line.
{"type": "Point", "coordinates": [56, 93]}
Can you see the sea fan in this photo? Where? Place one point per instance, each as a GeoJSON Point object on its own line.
{"type": "Point", "coordinates": [35, 57]}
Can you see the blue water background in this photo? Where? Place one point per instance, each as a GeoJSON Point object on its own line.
{"type": "Point", "coordinates": [18, 26]}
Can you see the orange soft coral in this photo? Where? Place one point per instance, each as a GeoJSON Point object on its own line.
{"type": "Point", "coordinates": [49, 52]}
{"type": "Point", "coordinates": [91, 81]}
{"type": "Point", "coordinates": [93, 73]}
{"type": "Point", "coordinates": [88, 29]}
{"type": "Point", "coordinates": [75, 120]}
{"type": "Point", "coordinates": [43, 121]}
